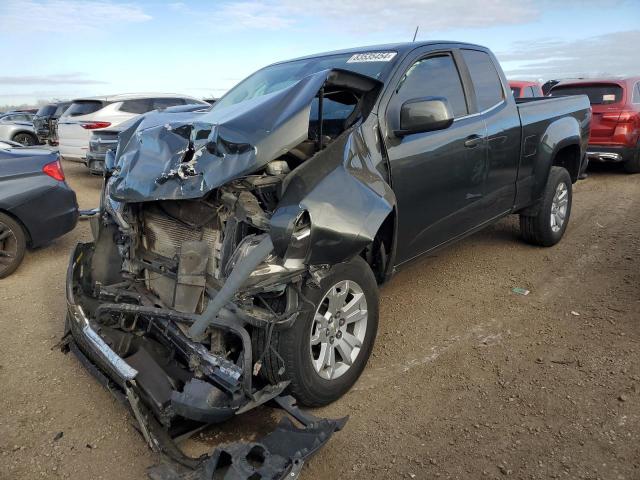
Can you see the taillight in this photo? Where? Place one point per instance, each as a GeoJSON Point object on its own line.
{"type": "Point", "coordinates": [611, 117]}
{"type": "Point", "coordinates": [628, 117]}
{"type": "Point", "coordinates": [621, 117]}
{"type": "Point", "coordinates": [54, 170]}
{"type": "Point", "coordinates": [94, 125]}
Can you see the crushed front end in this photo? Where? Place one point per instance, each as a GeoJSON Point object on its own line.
{"type": "Point", "coordinates": [200, 259]}
{"type": "Point", "coordinates": [174, 304]}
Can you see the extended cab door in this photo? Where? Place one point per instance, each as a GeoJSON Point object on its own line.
{"type": "Point", "coordinates": [437, 176]}
{"type": "Point", "coordinates": [492, 102]}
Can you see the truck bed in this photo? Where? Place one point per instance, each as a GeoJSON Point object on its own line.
{"type": "Point", "coordinates": [543, 121]}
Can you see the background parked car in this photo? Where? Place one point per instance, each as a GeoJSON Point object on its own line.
{"type": "Point", "coordinates": [36, 205]}
{"type": "Point", "coordinates": [86, 115]}
{"type": "Point", "coordinates": [18, 127]}
{"type": "Point", "coordinates": [524, 89]}
{"type": "Point", "coordinates": [46, 119]}
{"type": "Point", "coordinates": [615, 126]}
{"type": "Point", "coordinates": [107, 139]}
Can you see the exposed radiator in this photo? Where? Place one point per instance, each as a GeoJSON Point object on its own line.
{"type": "Point", "coordinates": [164, 235]}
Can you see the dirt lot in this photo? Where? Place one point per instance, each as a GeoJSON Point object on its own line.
{"type": "Point", "coordinates": [467, 380]}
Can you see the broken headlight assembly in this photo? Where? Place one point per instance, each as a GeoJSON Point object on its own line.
{"type": "Point", "coordinates": [273, 270]}
{"type": "Point", "coordinates": [111, 206]}
{"type": "Point", "coordinates": [298, 248]}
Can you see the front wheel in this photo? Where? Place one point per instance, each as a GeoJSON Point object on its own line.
{"type": "Point", "coordinates": [25, 139]}
{"type": "Point", "coordinates": [547, 227]}
{"type": "Point", "coordinates": [327, 348]}
{"type": "Point", "coordinates": [12, 245]}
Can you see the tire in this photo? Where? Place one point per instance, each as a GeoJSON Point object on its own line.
{"type": "Point", "coordinates": [542, 229]}
{"type": "Point", "coordinates": [25, 138]}
{"type": "Point", "coordinates": [13, 244]}
{"type": "Point", "coordinates": [633, 165]}
{"type": "Point", "coordinates": [293, 345]}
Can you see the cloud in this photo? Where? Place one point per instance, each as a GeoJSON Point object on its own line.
{"type": "Point", "coordinates": [66, 16]}
{"type": "Point", "coordinates": [370, 16]}
{"type": "Point", "coordinates": [55, 79]}
{"type": "Point", "coordinates": [255, 15]}
{"type": "Point", "coordinates": [601, 55]}
{"type": "Point", "coordinates": [430, 15]}
{"type": "Point", "coordinates": [373, 15]}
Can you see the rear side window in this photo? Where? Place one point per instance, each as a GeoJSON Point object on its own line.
{"type": "Point", "coordinates": [636, 94]}
{"type": "Point", "coordinates": [84, 107]}
{"type": "Point", "coordinates": [434, 77]}
{"type": "Point", "coordinates": [599, 94]}
{"type": "Point", "coordinates": [60, 109]}
{"type": "Point", "coordinates": [138, 105]}
{"type": "Point", "coordinates": [18, 117]}
{"type": "Point", "coordinates": [485, 78]}
{"type": "Point", "coordinates": [160, 103]}
{"type": "Point", "coordinates": [515, 91]}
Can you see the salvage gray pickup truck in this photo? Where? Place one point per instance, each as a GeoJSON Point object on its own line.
{"type": "Point", "coordinates": [238, 252]}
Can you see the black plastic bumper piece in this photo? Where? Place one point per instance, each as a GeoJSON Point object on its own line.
{"type": "Point", "coordinates": [278, 455]}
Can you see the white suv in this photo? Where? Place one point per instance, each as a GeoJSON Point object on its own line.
{"type": "Point", "coordinates": [86, 115]}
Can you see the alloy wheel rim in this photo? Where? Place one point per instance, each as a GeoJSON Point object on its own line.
{"type": "Point", "coordinates": [559, 207]}
{"type": "Point", "coordinates": [338, 329]}
{"type": "Point", "coordinates": [25, 140]}
{"type": "Point", "coordinates": [8, 247]}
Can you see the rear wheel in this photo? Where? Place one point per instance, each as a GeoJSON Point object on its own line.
{"type": "Point", "coordinates": [547, 227]}
{"type": "Point", "coordinates": [328, 346]}
{"type": "Point", "coordinates": [12, 245]}
{"type": "Point", "coordinates": [633, 165]}
{"type": "Point", "coordinates": [25, 139]}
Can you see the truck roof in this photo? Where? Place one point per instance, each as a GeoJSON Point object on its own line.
{"type": "Point", "coordinates": [523, 83]}
{"type": "Point", "coordinates": [401, 48]}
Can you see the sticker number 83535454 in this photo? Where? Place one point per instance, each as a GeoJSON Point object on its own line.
{"type": "Point", "coordinates": [371, 57]}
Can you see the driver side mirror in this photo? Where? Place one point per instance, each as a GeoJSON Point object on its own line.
{"type": "Point", "coordinates": [424, 115]}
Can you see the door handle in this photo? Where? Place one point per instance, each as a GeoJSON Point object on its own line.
{"type": "Point", "coordinates": [473, 141]}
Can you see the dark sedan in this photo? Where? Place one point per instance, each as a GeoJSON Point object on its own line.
{"type": "Point", "coordinates": [36, 205]}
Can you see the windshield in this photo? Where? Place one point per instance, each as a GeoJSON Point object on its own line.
{"type": "Point", "coordinates": [599, 94]}
{"type": "Point", "coordinates": [282, 75]}
{"type": "Point", "coordinates": [46, 111]}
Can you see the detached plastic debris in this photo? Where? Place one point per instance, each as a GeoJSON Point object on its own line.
{"type": "Point", "coordinates": [520, 291]}
{"type": "Point", "coordinates": [278, 455]}
{"type": "Point", "coordinates": [89, 213]}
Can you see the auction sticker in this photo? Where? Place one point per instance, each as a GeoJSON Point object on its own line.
{"type": "Point", "coordinates": [372, 57]}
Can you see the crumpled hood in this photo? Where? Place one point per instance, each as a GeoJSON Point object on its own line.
{"type": "Point", "coordinates": [162, 157]}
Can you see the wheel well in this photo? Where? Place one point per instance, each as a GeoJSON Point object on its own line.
{"type": "Point", "coordinates": [24, 131]}
{"type": "Point", "coordinates": [27, 234]}
{"type": "Point", "coordinates": [378, 253]}
{"type": "Point", "coordinates": [569, 158]}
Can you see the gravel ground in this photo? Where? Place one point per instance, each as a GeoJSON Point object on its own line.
{"type": "Point", "coordinates": [467, 379]}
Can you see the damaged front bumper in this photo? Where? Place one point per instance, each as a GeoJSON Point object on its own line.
{"type": "Point", "coordinates": [220, 390]}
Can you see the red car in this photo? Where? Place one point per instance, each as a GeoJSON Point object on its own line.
{"type": "Point", "coordinates": [524, 89]}
{"type": "Point", "coordinates": [615, 125]}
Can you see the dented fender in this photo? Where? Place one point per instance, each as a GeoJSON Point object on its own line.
{"type": "Point", "coordinates": [345, 192]}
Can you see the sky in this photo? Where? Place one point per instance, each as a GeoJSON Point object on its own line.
{"type": "Point", "coordinates": [74, 48]}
